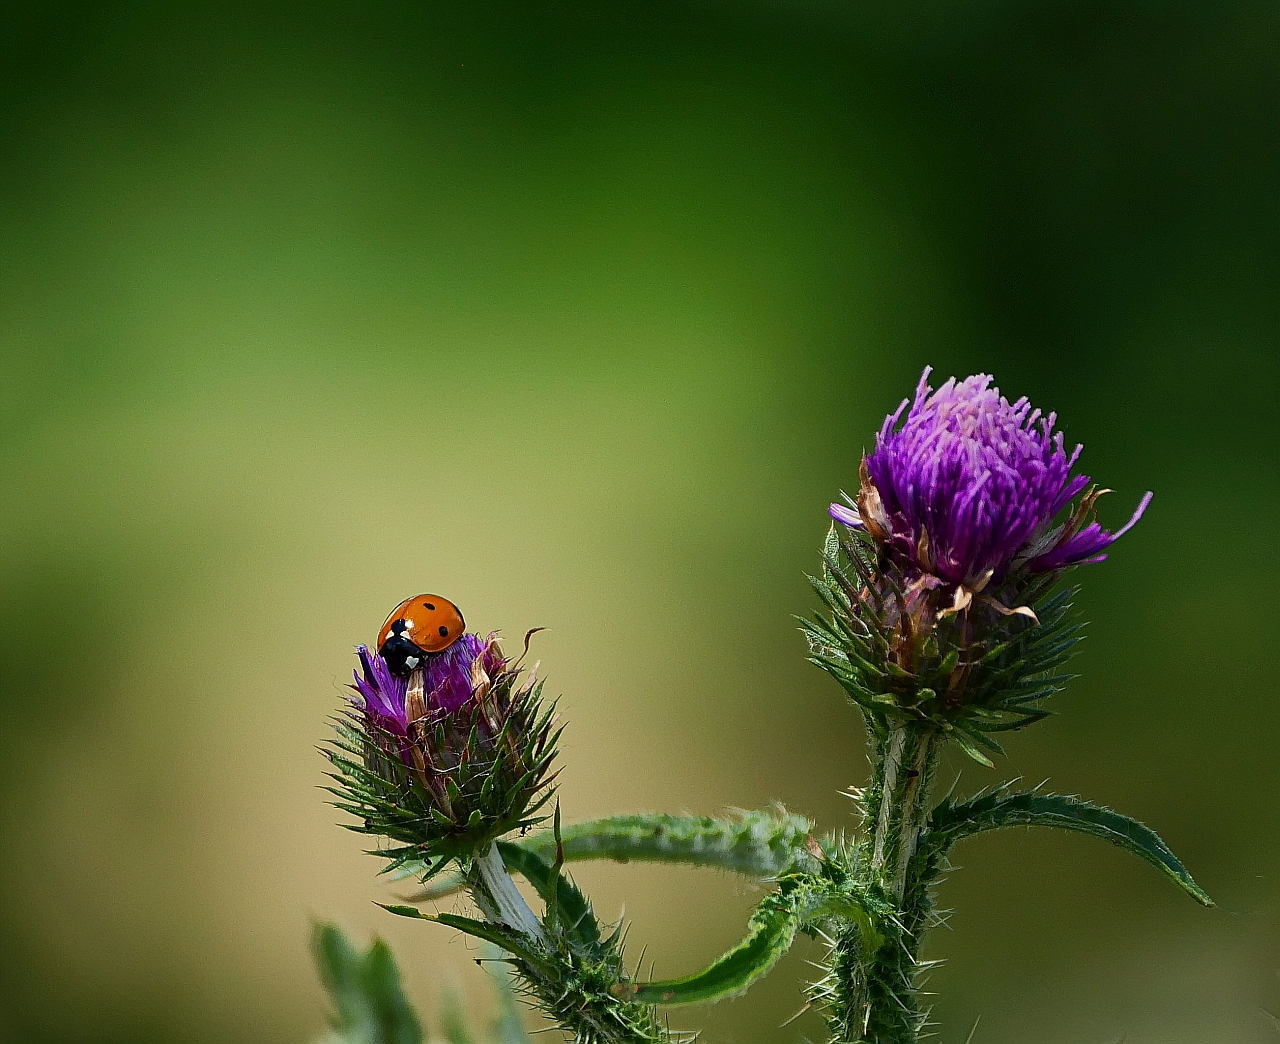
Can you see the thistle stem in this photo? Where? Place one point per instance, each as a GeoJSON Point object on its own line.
{"type": "Point", "coordinates": [499, 899]}
{"type": "Point", "coordinates": [872, 985]}
{"type": "Point", "coordinates": [591, 1011]}
{"type": "Point", "coordinates": [911, 755]}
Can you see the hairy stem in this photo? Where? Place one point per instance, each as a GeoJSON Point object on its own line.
{"type": "Point", "coordinates": [579, 991]}
{"type": "Point", "coordinates": [911, 755]}
{"type": "Point", "coordinates": [871, 990]}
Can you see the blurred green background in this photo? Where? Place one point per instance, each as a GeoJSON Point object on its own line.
{"type": "Point", "coordinates": [581, 314]}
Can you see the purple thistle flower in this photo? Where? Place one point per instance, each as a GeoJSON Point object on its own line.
{"type": "Point", "coordinates": [450, 681]}
{"type": "Point", "coordinates": [968, 488]}
{"type": "Point", "coordinates": [457, 753]}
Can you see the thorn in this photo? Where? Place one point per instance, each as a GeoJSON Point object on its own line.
{"type": "Point", "coordinates": [806, 1007]}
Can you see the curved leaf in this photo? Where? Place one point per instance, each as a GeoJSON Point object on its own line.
{"type": "Point", "coordinates": [770, 933]}
{"type": "Point", "coordinates": [1002, 808]}
{"type": "Point", "coordinates": [757, 844]}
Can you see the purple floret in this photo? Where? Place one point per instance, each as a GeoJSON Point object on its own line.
{"type": "Point", "coordinates": [383, 693]}
{"type": "Point", "coordinates": [1087, 545]}
{"type": "Point", "coordinates": [969, 486]}
{"type": "Point", "coordinates": [447, 678]}
{"type": "Point", "coordinates": [447, 682]}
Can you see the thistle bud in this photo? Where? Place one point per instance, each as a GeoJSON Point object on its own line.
{"type": "Point", "coordinates": [939, 572]}
{"type": "Point", "coordinates": [448, 758]}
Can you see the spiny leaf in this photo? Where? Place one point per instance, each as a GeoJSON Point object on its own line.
{"type": "Point", "coordinates": [770, 933]}
{"type": "Point", "coordinates": [1002, 808]}
{"type": "Point", "coordinates": [574, 911]}
{"type": "Point", "coordinates": [761, 845]}
{"type": "Point", "coordinates": [968, 747]}
{"type": "Point", "coordinates": [498, 934]}
{"type": "Point", "coordinates": [757, 844]}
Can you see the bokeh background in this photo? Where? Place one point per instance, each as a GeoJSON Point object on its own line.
{"type": "Point", "coordinates": [581, 314]}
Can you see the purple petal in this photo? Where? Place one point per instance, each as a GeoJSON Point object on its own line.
{"type": "Point", "coordinates": [383, 693]}
{"type": "Point", "coordinates": [845, 516]}
{"type": "Point", "coordinates": [981, 477]}
{"type": "Point", "coordinates": [1088, 544]}
{"type": "Point", "coordinates": [447, 675]}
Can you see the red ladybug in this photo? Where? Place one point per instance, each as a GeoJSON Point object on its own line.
{"type": "Point", "coordinates": [416, 628]}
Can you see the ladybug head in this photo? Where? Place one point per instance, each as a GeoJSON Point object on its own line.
{"type": "Point", "coordinates": [402, 656]}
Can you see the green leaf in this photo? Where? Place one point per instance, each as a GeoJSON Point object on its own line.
{"type": "Point", "coordinates": [406, 911]}
{"type": "Point", "coordinates": [769, 936]}
{"type": "Point", "coordinates": [369, 1005]}
{"type": "Point", "coordinates": [1002, 808]}
{"type": "Point", "coordinates": [757, 844]}
{"type": "Point", "coordinates": [967, 745]}
{"type": "Point", "coordinates": [760, 845]}
{"type": "Point", "coordinates": [770, 933]}
{"type": "Point", "coordinates": [831, 546]}
{"type": "Point", "coordinates": [500, 935]}
{"type": "Point", "coordinates": [574, 912]}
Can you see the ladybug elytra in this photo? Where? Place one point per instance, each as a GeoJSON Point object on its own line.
{"type": "Point", "coordinates": [416, 628]}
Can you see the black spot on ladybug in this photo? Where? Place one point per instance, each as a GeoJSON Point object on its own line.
{"type": "Point", "coordinates": [444, 631]}
{"type": "Point", "coordinates": [431, 607]}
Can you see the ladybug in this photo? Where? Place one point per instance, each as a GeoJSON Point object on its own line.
{"type": "Point", "coordinates": [418, 627]}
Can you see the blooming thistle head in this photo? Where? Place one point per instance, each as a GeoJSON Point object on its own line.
{"type": "Point", "coordinates": [448, 758]}
{"type": "Point", "coordinates": [968, 487]}
{"type": "Point", "coordinates": [946, 552]}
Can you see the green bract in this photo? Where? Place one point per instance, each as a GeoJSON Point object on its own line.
{"type": "Point", "coordinates": [903, 658]}
{"type": "Point", "coordinates": [455, 781]}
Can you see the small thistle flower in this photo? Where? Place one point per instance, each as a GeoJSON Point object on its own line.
{"type": "Point", "coordinates": [448, 758]}
{"type": "Point", "coordinates": [949, 547]}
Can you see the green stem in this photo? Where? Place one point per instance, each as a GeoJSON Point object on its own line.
{"type": "Point", "coordinates": [582, 996]}
{"type": "Point", "coordinates": [911, 755]}
{"type": "Point", "coordinates": [872, 986]}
